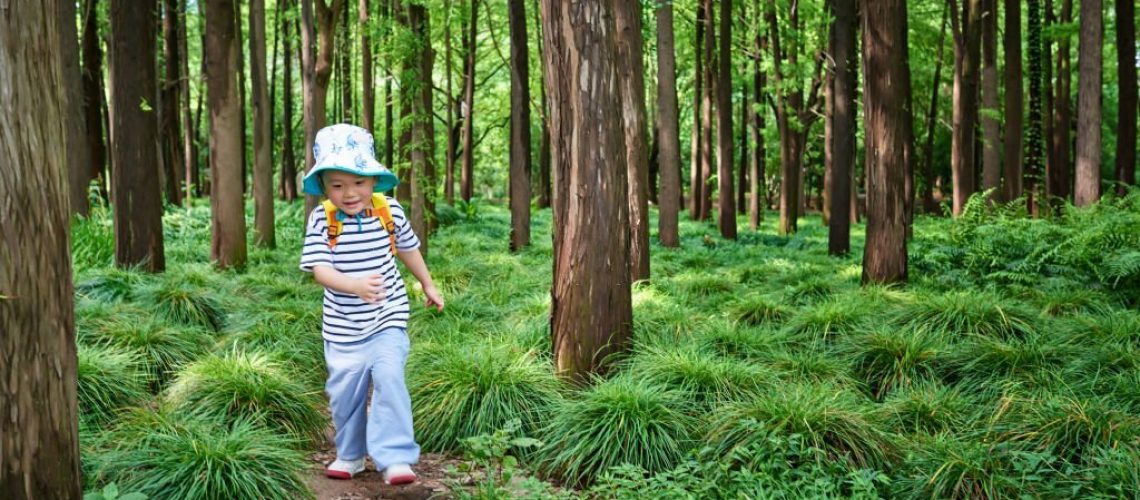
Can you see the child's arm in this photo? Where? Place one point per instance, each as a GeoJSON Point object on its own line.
{"type": "Point", "coordinates": [369, 288]}
{"type": "Point", "coordinates": [415, 263]}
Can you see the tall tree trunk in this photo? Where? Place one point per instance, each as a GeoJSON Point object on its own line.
{"type": "Point", "coordinates": [631, 80]}
{"type": "Point", "coordinates": [189, 135]}
{"type": "Point", "coordinates": [884, 53]}
{"type": "Point", "coordinates": [1011, 45]}
{"type": "Point", "coordinates": [1127, 103]}
{"type": "Point", "coordinates": [707, 97]}
{"type": "Point", "coordinates": [389, 100]}
{"type": "Point", "coordinates": [1087, 189]}
{"type": "Point", "coordinates": [344, 66]}
{"type": "Point", "coordinates": [592, 315]}
{"type": "Point", "coordinates": [520, 129]}
{"type": "Point", "coordinates": [262, 161]}
{"type": "Point", "coordinates": [368, 97]}
{"type": "Point", "coordinates": [317, 72]}
{"type": "Point", "coordinates": [828, 119]}
{"type": "Point", "coordinates": [967, 48]}
{"type": "Point", "coordinates": [288, 162]}
{"type": "Point", "coordinates": [742, 170]}
{"type": "Point", "coordinates": [39, 434]}
{"type": "Point", "coordinates": [697, 139]}
{"type": "Point", "coordinates": [449, 125]}
{"type": "Point", "coordinates": [93, 98]}
{"type": "Point", "coordinates": [467, 172]}
{"type": "Point", "coordinates": [1034, 147]}
{"type": "Point", "coordinates": [789, 107]}
{"type": "Point", "coordinates": [169, 132]}
{"type": "Point", "coordinates": [1058, 167]}
{"type": "Point", "coordinates": [991, 135]}
{"type": "Point", "coordinates": [757, 186]}
{"type": "Point", "coordinates": [242, 99]}
{"type": "Point", "coordinates": [134, 143]}
{"type": "Point", "coordinates": [928, 205]}
{"type": "Point", "coordinates": [726, 211]}
{"type": "Point", "coordinates": [843, 126]}
{"type": "Point", "coordinates": [669, 138]}
{"type": "Point", "coordinates": [544, 177]}
{"type": "Point", "coordinates": [78, 152]}
{"type": "Point", "coordinates": [421, 151]}
{"type": "Point", "coordinates": [227, 243]}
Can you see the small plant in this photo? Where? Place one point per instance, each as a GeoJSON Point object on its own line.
{"type": "Point", "coordinates": [1071, 427]}
{"type": "Point", "coordinates": [109, 378]}
{"type": "Point", "coordinates": [703, 286]}
{"type": "Point", "coordinates": [929, 408]}
{"type": "Point", "coordinates": [184, 303]}
{"type": "Point", "coordinates": [755, 310]}
{"type": "Point", "coordinates": [489, 455]}
{"type": "Point", "coordinates": [109, 284]}
{"type": "Point", "coordinates": [111, 492]}
{"type": "Point", "coordinates": [888, 359]}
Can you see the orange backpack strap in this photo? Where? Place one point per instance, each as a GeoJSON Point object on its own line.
{"type": "Point", "coordinates": [382, 210]}
{"type": "Point", "coordinates": [335, 227]}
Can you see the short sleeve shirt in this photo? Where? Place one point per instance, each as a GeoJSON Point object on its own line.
{"type": "Point", "coordinates": [363, 248]}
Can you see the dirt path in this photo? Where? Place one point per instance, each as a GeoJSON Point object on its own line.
{"type": "Point", "coordinates": [370, 483]}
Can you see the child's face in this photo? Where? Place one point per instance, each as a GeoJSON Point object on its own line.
{"type": "Point", "coordinates": [350, 193]}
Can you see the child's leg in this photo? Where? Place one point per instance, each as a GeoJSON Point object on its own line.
{"type": "Point", "coordinates": [347, 388]}
{"type": "Point", "coordinates": [390, 435]}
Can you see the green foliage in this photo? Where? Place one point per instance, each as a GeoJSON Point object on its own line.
{"type": "Point", "coordinates": [951, 466]}
{"type": "Point", "coordinates": [488, 455]}
{"type": "Point", "coordinates": [969, 313]}
{"type": "Point", "coordinates": [703, 378]}
{"type": "Point", "coordinates": [617, 421]}
{"type": "Point", "coordinates": [187, 303]}
{"type": "Point", "coordinates": [929, 408]}
{"type": "Point", "coordinates": [887, 359]}
{"type": "Point", "coordinates": [162, 347]}
{"type": "Point", "coordinates": [755, 310]}
{"type": "Point", "coordinates": [109, 378]}
{"type": "Point", "coordinates": [827, 319]}
{"type": "Point", "coordinates": [93, 239]}
{"type": "Point", "coordinates": [111, 492]}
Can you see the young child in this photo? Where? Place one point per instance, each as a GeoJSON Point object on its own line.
{"type": "Point", "coordinates": [365, 302]}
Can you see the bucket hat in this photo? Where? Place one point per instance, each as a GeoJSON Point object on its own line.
{"type": "Point", "coordinates": [347, 148]}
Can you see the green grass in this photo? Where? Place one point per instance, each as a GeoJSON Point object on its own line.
{"type": "Point", "coordinates": [886, 359]}
{"type": "Point", "coordinates": [969, 313]}
{"type": "Point", "coordinates": [703, 378]}
{"type": "Point", "coordinates": [185, 302]}
{"type": "Point", "coordinates": [109, 378]}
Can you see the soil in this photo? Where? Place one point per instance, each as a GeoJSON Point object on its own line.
{"type": "Point", "coordinates": [431, 475]}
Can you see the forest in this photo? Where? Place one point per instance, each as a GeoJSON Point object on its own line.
{"type": "Point", "coordinates": [690, 249]}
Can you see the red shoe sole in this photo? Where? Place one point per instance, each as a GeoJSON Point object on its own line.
{"type": "Point", "coordinates": [337, 474]}
{"type": "Point", "coordinates": [402, 479]}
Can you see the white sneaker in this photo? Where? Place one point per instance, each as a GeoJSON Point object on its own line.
{"type": "Point", "coordinates": [345, 469]}
{"type": "Point", "coordinates": [399, 474]}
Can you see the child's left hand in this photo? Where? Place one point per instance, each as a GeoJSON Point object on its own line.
{"type": "Point", "coordinates": [433, 298]}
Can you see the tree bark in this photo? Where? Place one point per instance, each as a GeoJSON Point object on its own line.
{"type": "Point", "coordinates": [520, 129]}
{"type": "Point", "coordinates": [134, 143]}
{"type": "Point", "coordinates": [668, 139]}
{"type": "Point", "coordinates": [843, 126]}
{"type": "Point", "coordinates": [227, 230]}
{"type": "Point", "coordinates": [189, 135]}
{"type": "Point", "coordinates": [757, 186]}
{"type": "Point", "coordinates": [708, 76]}
{"type": "Point", "coordinates": [422, 150]}
{"type": "Point", "coordinates": [967, 48]}
{"type": "Point", "coordinates": [316, 72]}
{"type": "Point", "coordinates": [697, 139]}
{"type": "Point", "coordinates": [39, 452]}
{"type": "Point", "coordinates": [262, 162]}
{"type": "Point", "coordinates": [368, 96]}
{"type": "Point", "coordinates": [726, 210]}
{"type": "Point", "coordinates": [928, 204]}
{"type": "Point", "coordinates": [884, 53]}
{"type": "Point", "coordinates": [93, 98]}
{"type": "Point", "coordinates": [344, 66]}
{"type": "Point", "coordinates": [467, 169]}
{"type": "Point", "coordinates": [991, 135]}
{"type": "Point", "coordinates": [592, 314]}
{"type": "Point", "coordinates": [78, 152]}
{"type": "Point", "coordinates": [1012, 185]}
{"type": "Point", "coordinates": [1058, 167]}
{"type": "Point", "coordinates": [449, 125]}
{"type": "Point", "coordinates": [169, 133]}
{"type": "Point", "coordinates": [631, 79]}
{"type": "Point", "coordinates": [1127, 103]}
{"type": "Point", "coordinates": [742, 169]}
{"type": "Point", "coordinates": [288, 162]}
{"type": "Point", "coordinates": [544, 173]}
{"type": "Point", "coordinates": [1087, 188]}
{"type": "Point", "coordinates": [1034, 147]}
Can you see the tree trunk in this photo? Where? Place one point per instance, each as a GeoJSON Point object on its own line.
{"type": "Point", "coordinates": [707, 98]}
{"type": "Point", "coordinates": [467, 169]}
{"type": "Point", "coordinates": [793, 118]}
{"type": "Point", "coordinates": [828, 119]}
{"type": "Point", "coordinates": [1011, 44]}
{"type": "Point", "coordinates": [189, 135]}
{"type": "Point", "coordinates": [39, 451]}
{"type": "Point", "coordinates": [1034, 147]}
{"type": "Point", "coordinates": [1087, 189]}
{"type": "Point", "coordinates": [134, 142]}
{"type": "Point", "coordinates": [592, 314]}
{"type": "Point", "coordinates": [967, 48]}
{"type": "Point", "coordinates": [422, 149]}
{"type": "Point", "coordinates": [344, 66]}
{"type": "Point", "coordinates": [884, 54]}
{"type": "Point", "coordinates": [991, 135]}
{"type": "Point", "coordinates": [726, 211]}
{"type": "Point", "coordinates": [389, 149]}
{"type": "Point", "coordinates": [1127, 103]}
{"type": "Point", "coordinates": [227, 230]}
{"type": "Point", "coordinates": [93, 97]}
{"type": "Point", "coordinates": [368, 97]}
{"type": "Point", "coordinates": [697, 139]}
{"type": "Point", "coordinates": [449, 99]}
{"type": "Point", "coordinates": [316, 72]}
{"type": "Point", "coordinates": [742, 169]}
{"type": "Point", "coordinates": [668, 139]}
{"type": "Point", "coordinates": [631, 79]}
{"type": "Point", "coordinates": [520, 129]}
{"type": "Point", "coordinates": [242, 98]}
{"type": "Point", "coordinates": [288, 162]}
{"type": "Point", "coordinates": [843, 127]}
{"type": "Point", "coordinates": [78, 152]}
{"type": "Point", "coordinates": [1058, 167]}
{"type": "Point", "coordinates": [262, 161]}
{"type": "Point", "coordinates": [169, 133]}
{"type": "Point", "coordinates": [928, 204]}
{"type": "Point", "coordinates": [757, 186]}
{"type": "Point", "coordinates": [544, 177]}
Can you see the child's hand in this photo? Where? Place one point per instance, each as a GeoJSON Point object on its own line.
{"type": "Point", "coordinates": [433, 297]}
{"type": "Point", "coordinates": [370, 288]}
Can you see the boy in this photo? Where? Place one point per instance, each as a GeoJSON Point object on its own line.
{"type": "Point", "coordinates": [365, 316]}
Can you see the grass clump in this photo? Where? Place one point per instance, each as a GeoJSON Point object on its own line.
{"type": "Point", "coordinates": [756, 310]}
{"type": "Point", "coordinates": [887, 359]}
{"type": "Point", "coordinates": [1072, 427]}
{"type": "Point", "coordinates": [109, 378]}
{"type": "Point", "coordinates": [929, 408]}
{"type": "Point", "coordinates": [961, 467]}
{"type": "Point", "coordinates": [623, 420]}
{"type": "Point", "coordinates": [240, 384]}
{"type": "Point", "coordinates": [184, 303]}
{"type": "Point", "coordinates": [703, 378]}
{"type": "Point", "coordinates": [969, 313]}
{"type": "Point", "coordinates": [461, 390]}
{"type": "Point", "coordinates": [827, 319]}
{"type": "Point", "coordinates": [163, 348]}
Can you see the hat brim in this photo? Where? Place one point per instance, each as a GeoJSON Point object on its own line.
{"type": "Point", "coordinates": [385, 179]}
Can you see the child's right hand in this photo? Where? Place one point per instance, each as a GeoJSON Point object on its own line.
{"type": "Point", "coordinates": [370, 288]}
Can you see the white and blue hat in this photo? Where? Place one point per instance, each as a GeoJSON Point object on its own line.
{"type": "Point", "coordinates": [347, 148]}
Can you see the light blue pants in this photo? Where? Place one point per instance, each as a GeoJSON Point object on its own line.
{"type": "Point", "coordinates": [385, 430]}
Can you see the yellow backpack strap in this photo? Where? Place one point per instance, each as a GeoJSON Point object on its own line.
{"type": "Point", "coordinates": [384, 212]}
{"type": "Point", "coordinates": [335, 226]}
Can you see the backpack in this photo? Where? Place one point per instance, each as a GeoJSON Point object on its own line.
{"type": "Point", "coordinates": [379, 209]}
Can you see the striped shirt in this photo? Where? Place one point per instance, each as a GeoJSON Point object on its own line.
{"type": "Point", "coordinates": [361, 249]}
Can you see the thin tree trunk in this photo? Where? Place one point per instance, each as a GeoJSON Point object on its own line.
{"type": "Point", "coordinates": [931, 119]}
{"type": "Point", "coordinates": [39, 433]}
{"type": "Point", "coordinates": [631, 79]}
{"type": "Point", "coordinates": [520, 129]}
{"type": "Point", "coordinates": [1127, 103]}
{"type": "Point", "coordinates": [757, 185]}
{"type": "Point", "coordinates": [227, 245]}
{"type": "Point", "coordinates": [1058, 167]}
{"type": "Point", "coordinates": [707, 98]}
{"type": "Point", "coordinates": [467, 170]}
{"type": "Point", "coordinates": [991, 135]}
{"type": "Point", "coordinates": [317, 72]}
{"type": "Point", "coordinates": [189, 135]}
{"type": "Point", "coordinates": [668, 139]}
{"type": "Point", "coordinates": [169, 133]}
{"type": "Point", "coordinates": [368, 104]}
{"type": "Point", "coordinates": [843, 126]}
{"type": "Point", "coordinates": [884, 54]}
{"type": "Point", "coordinates": [406, 93]}
{"type": "Point", "coordinates": [75, 135]}
{"type": "Point", "coordinates": [1034, 147]}
{"type": "Point", "coordinates": [449, 126]}
{"type": "Point", "coordinates": [421, 153]}
{"type": "Point", "coordinates": [695, 187]}
{"type": "Point", "coordinates": [344, 54]}
{"type": "Point", "coordinates": [742, 174]}
{"type": "Point", "coordinates": [93, 101]}
{"type": "Point", "coordinates": [726, 211]}
{"type": "Point", "coordinates": [134, 143]}
{"type": "Point", "coordinates": [262, 146]}
{"type": "Point", "coordinates": [544, 177]}
{"type": "Point", "coordinates": [242, 99]}
{"type": "Point", "coordinates": [1012, 185]}
{"type": "Point", "coordinates": [1087, 188]}
{"type": "Point", "coordinates": [288, 162]}
{"type": "Point", "coordinates": [967, 48]}
{"type": "Point", "coordinates": [389, 100]}
{"type": "Point", "coordinates": [828, 119]}
{"type": "Point", "coordinates": [591, 308]}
